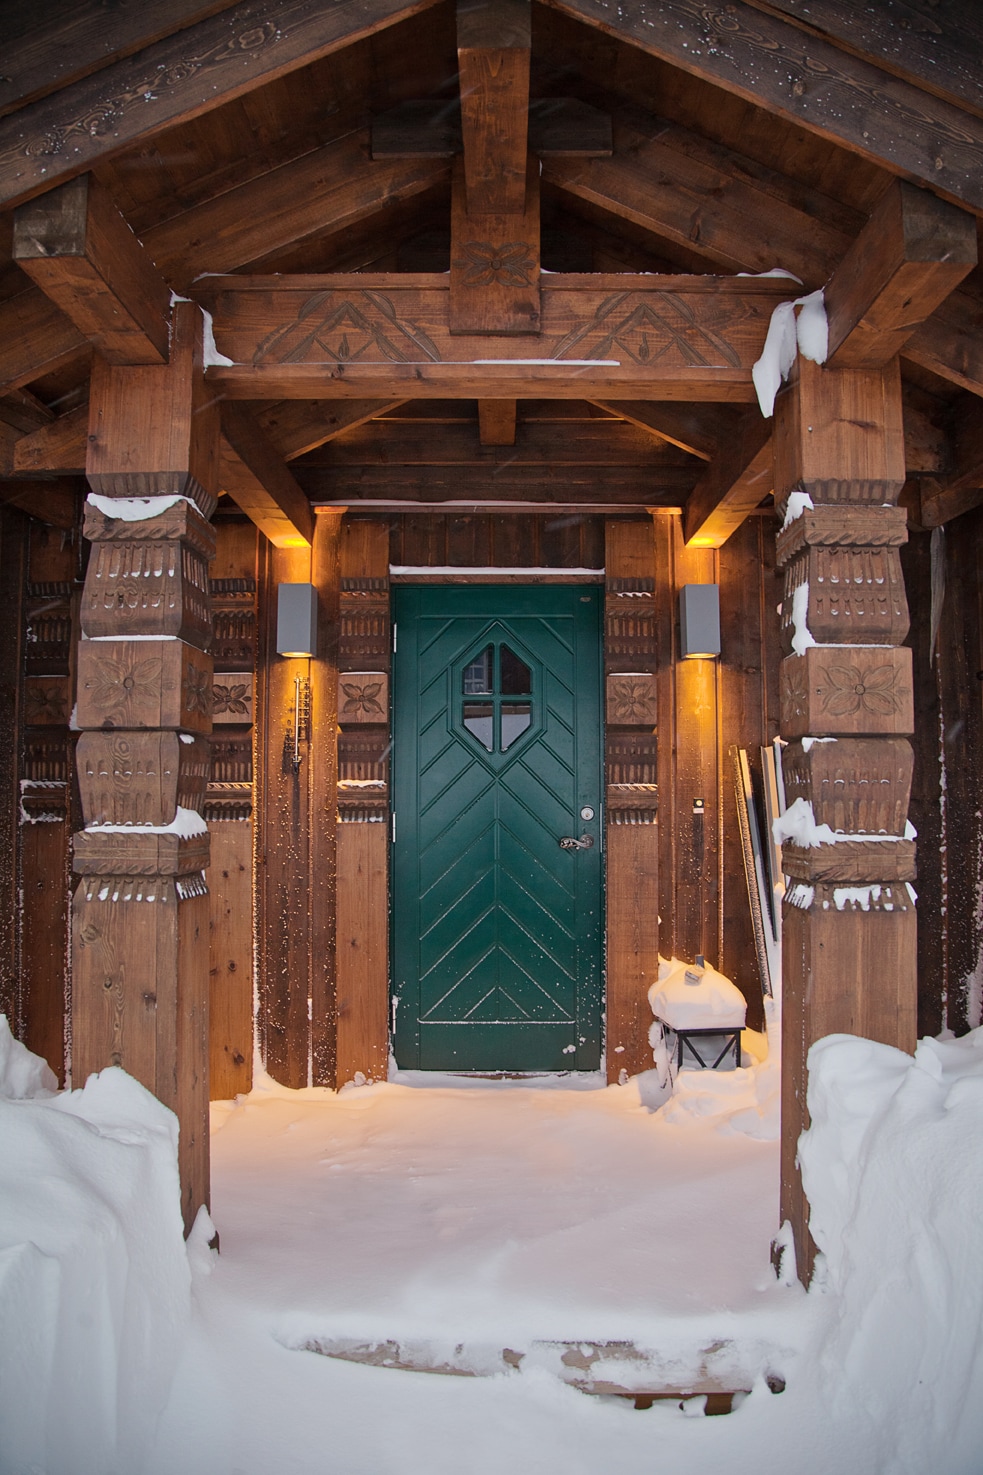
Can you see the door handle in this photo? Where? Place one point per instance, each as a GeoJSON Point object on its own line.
{"type": "Point", "coordinates": [568, 842]}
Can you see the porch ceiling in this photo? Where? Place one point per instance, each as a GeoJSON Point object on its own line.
{"type": "Point", "coordinates": [253, 153]}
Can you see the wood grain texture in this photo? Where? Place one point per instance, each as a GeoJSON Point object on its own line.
{"type": "Point", "coordinates": [155, 430]}
{"type": "Point", "coordinates": [174, 80]}
{"type": "Point", "coordinates": [35, 338]}
{"type": "Point", "coordinates": [75, 245]}
{"type": "Point", "coordinates": [678, 337]}
{"type": "Point", "coordinates": [808, 82]}
{"type": "Point", "coordinates": [494, 278]}
{"type": "Point", "coordinates": [915, 39]}
{"type": "Point", "coordinates": [363, 953]}
{"type": "Point", "coordinates": [839, 435]}
{"type": "Point", "coordinates": [144, 683]}
{"type": "Point", "coordinates": [322, 859]}
{"type": "Point", "coordinates": [632, 944]}
{"type": "Point", "coordinates": [689, 428]}
{"type": "Point", "coordinates": [139, 778]}
{"type": "Point", "coordinates": [914, 250]}
{"type": "Point", "coordinates": [277, 505]}
{"type": "Point", "coordinates": [230, 953]}
{"type": "Point", "coordinates": [46, 873]}
{"type": "Point", "coordinates": [59, 445]}
{"type": "Point", "coordinates": [847, 690]}
{"type": "Point", "coordinates": [493, 56]}
{"type": "Point", "coordinates": [51, 44]}
{"type": "Point", "coordinates": [497, 422]}
{"type": "Point", "coordinates": [737, 481]}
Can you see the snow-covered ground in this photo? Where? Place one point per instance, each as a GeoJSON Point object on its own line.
{"type": "Point", "coordinates": [449, 1222]}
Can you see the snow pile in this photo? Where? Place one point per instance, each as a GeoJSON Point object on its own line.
{"type": "Point", "coordinates": [22, 1075]}
{"type": "Point", "coordinates": [695, 996]}
{"type": "Point", "coordinates": [94, 1278]}
{"type": "Point", "coordinates": [134, 509]}
{"type": "Point", "coordinates": [798, 825]}
{"type": "Point", "coordinates": [893, 1170]}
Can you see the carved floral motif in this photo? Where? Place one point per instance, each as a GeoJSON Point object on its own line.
{"type": "Point", "coordinates": [487, 265]}
{"type": "Point", "coordinates": [363, 696]}
{"type": "Point", "coordinates": [631, 699]}
{"type": "Point", "coordinates": [232, 697]}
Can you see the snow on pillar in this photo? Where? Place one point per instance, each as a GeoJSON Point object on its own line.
{"type": "Point", "coordinates": [848, 956]}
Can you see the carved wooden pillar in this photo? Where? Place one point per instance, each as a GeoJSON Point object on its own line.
{"type": "Point", "coordinates": [632, 834]}
{"type": "Point", "coordinates": [849, 961]}
{"type": "Point", "coordinates": [140, 912]}
{"type": "Point", "coordinates": [364, 655]}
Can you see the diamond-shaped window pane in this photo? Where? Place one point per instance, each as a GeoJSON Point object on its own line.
{"type": "Point", "coordinates": [477, 678]}
{"type": "Point", "coordinates": [479, 719]}
{"type": "Point", "coordinates": [515, 678]}
{"type": "Point", "coordinates": [516, 717]}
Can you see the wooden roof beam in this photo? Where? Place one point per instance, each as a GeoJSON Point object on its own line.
{"type": "Point", "coordinates": [35, 339]}
{"type": "Point", "coordinates": [176, 79]}
{"type": "Point", "coordinates": [51, 501]}
{"type": "Point", "coordinates": [257, 480]}
{"type": "Point", "coordinates": [686, 195]}
{"type": "Point", "coordinates": [808, 81]}
{"type": "Point", "coordinates": [494, 44]}
{"type": "Point", "coordinates": [913, 251]}
{"type": "Point", "coordinates": [75, 245]}
{"type": "Point", "coordinates": [736, 482]}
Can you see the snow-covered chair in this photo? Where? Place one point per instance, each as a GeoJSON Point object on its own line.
{"type": "Point", "coordinates": [699, 1016]}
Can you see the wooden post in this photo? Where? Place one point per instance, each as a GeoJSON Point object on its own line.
{"type": "Point", "coordinates": [364, 657]}
{"type": "Point", "coordinates": [632, 833]}
{"type": "Point", "coordinates": [140, 912]}
{"type": "Point", "coordinates": [849, 945]}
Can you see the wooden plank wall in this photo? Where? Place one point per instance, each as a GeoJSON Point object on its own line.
{"type": "Point", "coordinates": [709, 705]}
{"type": "Point", "coordinates": [947, 795]}
{"type": "Point", "coordinates": [48, 810]}
{"type": "Point", "coordinates": [13, 571]}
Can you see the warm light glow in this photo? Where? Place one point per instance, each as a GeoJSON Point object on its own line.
{"type": "Point", "coordinates": [290, 540]}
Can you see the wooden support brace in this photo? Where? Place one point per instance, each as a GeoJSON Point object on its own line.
{"type": "Point", "coordinates": [913, 251]}
{"type": "Point", "coordinates": [494, 278]}
{"type": "Point", "coordinates": [736, 482]}
{"type": "Point", "coordinates": [75, 245]}
{"type": "Point", "coordinates": [257, 479]}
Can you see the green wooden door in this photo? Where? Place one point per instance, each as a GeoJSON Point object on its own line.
{"type": "Point", "coordinates": [497, 757]}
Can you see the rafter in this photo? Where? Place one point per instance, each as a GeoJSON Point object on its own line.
{"type": "Point", "coordinates": [257, 479]}
{"type": "Point", "coordinates": [736, 482]}
{"type": "Point", "coordinates": [962, 489]}
{"type": "Point", "coordinates": [494, 42]}
{"type": "Point", "coordinates": [177, 79]}
{"type": "Point", "coordinates": [809, 82]}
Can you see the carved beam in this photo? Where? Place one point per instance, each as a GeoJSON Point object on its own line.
{"type": "Point", "coordinates": [75, 245]}
{"type": "Point", "coordinates": [493, 53]}
{"type": "Point", "coordinates": [736, 482]}
{"type": "Point", "coordinates": [257, 480]}
{"type": "Point", "coordinates": [913, 251]}
{"type": "Point", "coordinates": [187, 74]}
{"type": "Point", "coordinates": [496, 422]}
{"type": "Point", "coordinates": [363, 334]}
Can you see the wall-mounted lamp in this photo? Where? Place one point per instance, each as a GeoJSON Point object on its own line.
{"type": "Point", "coordinates": [296, 635]}
{"type": "Point", "coordinates": [699, 621]}
{"type": "Point", "coordinates": [296, 620]}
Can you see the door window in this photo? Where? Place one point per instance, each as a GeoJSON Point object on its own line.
{"type": "Point", "coordinates": [500, 676]}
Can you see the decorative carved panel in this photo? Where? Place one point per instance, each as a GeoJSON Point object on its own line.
{"type": "Point", "coordinates": [856, 596]}
{"type": "Point", "coordinates": [116, 853]}
{"type": "Point", "coordinates": [857, 786]}
{"type": "Point", "coordinates": [144, 683]}
{"type": "Point", "coordinates": [364, 624]}
{"type": "Point", "coordinates": [47, 701]}
{"type": "Point", "coordinates": [234, 632]}
{"type": "Point", "coordinates": [629, 624]}
{"type": "Point", "coordinates": [364, 756]}
{"type": "Point", "coordinates": [632, 804]}
{"type": "Point", "coordinates": [847, 690]}
{"type": "Point", "coordinates": [631, 758]}
{"type": "Point", "coordinates": [46, 756]}
{"type": "Point", "coordinates": [232, 760]}
{"type": "Point", "coordinates": [147, 589]}
{"type": "Point", "coordinates": [631, 699]}
{"type": "Point", "coordinates": [363, 696]}
{"type": "Point", "coordinates": [232, 697]}
{"type": "Point", "coordinates": [843, 526]}
{"type": "Point", "coordinates": [140, 777]}
{"type": "Point", "coordinates": [48, 637]}
{"type": "Point", "coordinates": [851, 862]}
